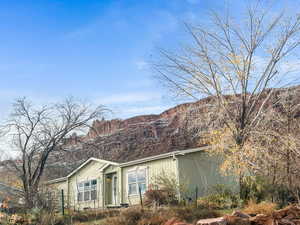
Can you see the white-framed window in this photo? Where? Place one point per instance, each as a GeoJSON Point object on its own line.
{"type": "Point", "coordinates": [87, 191]}
{"type": "Point", "coordinates": [80, 192]}
{"type": "Point", "coordinates": [136, 179]}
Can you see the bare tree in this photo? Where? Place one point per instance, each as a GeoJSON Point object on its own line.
{"type": "Point", "coordinates": [236, 63]}
{"type": "Point", "coordinates": [36, 132]}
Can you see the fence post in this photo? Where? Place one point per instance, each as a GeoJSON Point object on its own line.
{"type": "Point", "coordinates": [62, 202]}
{"type": "Point", "coordinates": [196, 194]}
{"type": "Point", "coordinates": [140, 194]}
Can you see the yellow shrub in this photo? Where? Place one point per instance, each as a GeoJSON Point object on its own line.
{"type": "Point", "coordinates": [266, 208]}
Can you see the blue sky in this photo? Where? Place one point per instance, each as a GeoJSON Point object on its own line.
{"type": "Point", "coordinates": [91, 49]}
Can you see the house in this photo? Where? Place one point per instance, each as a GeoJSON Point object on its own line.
{"type": "Point", "coordinates": [100, 183]}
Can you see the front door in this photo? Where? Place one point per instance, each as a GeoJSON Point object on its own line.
{"type": "Point", "coordinates": [114, 189]}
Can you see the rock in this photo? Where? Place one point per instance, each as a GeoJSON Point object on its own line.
{"type": "Point", "coordinates": [182, 223]}
{"type": "Point", "coordinates": [289, 212]}
{"type": "Point", "coordinates": [235, 220]}
{"type": "Point", "coordinates": [173, 221]}
{"type": "Point", "coordinates": [213, 221]}
{"type": "Point", "coordinates": [240, 214]}
{"type": "Point", "coordinates": [262, 219]}
{"type": "Point", "coordinates": [286, 222]}
{"type": "Point", "coordinates": [296, 221]}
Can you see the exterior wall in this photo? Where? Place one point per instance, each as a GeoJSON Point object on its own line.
{"type": "Point", "coordinates": [55, 190]}
{"type": "Point", "coordinates": [165, 166]}
{"type": "Point", "coordinates": [201, 170]}
{"type": "Point", "coordinates": [90, 171]}
{"type": "Point", "coordinates": [192, 170]}
{"type": "Point", "coordinates": [58, 186]}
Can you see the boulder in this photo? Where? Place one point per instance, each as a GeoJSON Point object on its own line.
{"type": "Point", "coordinates": [213, 221]}
{"type": "Point", "coordinates": [182, 223]}
{"type": "Point", "coordinates": [286, 222]}
{"type": "Point", "coordinates": [173, 221]}
{"type": "Point", "coordinates": [235, 220]}
{"type": "Point", "coordinates": [296, 221]}
{"type": "Point", "coordinates": [240, 214]}
{"type": "Point", "coordinates": [289, 212]}
{"type": "Point", "coordinates": [262, 219]}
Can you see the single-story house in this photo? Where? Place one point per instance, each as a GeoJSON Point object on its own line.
{"type": "Point", "coordinates": [100, 183]}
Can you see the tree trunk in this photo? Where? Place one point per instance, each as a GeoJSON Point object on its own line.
{"type": "Point", "coordinates": [31, 197]}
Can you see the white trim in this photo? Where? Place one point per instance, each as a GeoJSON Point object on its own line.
{"type": "Point", "coordinates": [162, 156]}
{"type": "Point", "coordinates": [104, 167]}
{"type": "Point", "coordinates": [57, 180]}
{"type": "Point", "coordinates": [88, 161]}
{"type": "Point", "coordinates": [114, 187]}
{"type": "Point", "coordinates": [83, 191]}
{"type": "Point", "coordinates": [135, 170]}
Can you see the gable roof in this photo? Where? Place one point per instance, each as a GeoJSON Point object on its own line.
{"type": "Point", "coordinates": [87, 162]}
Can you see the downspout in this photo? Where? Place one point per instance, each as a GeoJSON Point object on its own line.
{"type": "Point", "coordinates": [177, 176]}
{"type": "Point", "coordinates": [103, 189]}
{"type": "Point", "coordinates": [68, 193]}
{"type": "Point", "coordinates": [121, 186]}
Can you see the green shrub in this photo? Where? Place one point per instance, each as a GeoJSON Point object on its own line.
{"type": "Point", "coordinates": [159, 197]}
{"type": "Point", "coordinates": [220, 197]}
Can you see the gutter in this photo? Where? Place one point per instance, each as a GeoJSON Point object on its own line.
{"type": "Point", "coordinates": [57, 180]}
{"type": "Point", "coordinates": [162, 156]}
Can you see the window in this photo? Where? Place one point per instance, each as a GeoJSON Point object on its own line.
{"type": "Point", "coordinates": [87, 191]}
{"type": "Point", "coordinates": [80, 192]}
{"type": "Point", "coordinates": [136, 180]}
{"type": "Point", "coordinates": [93, 189]}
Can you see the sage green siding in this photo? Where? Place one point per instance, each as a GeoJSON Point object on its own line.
{"type": "Point", "coordinates": [90, 171]}
{"type": "Point", "coordinates": [154, 168]}
{"type": "Point", "coordinates": [201, 170]}
{"type": "Point", "coordinates": [55, 190]}
{"type": "Point", "coordinates": [190, 169]}
{"type": "Point", "coordinates": [58, 186]}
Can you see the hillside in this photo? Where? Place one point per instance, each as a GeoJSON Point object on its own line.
{"type": "Point", "coordinates": [124, 140]}
{"type": "Point", "coordinates": [137, 137]}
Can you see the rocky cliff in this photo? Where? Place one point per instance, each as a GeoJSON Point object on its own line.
{"type": "Point", "coordinates": [129, 139]}
{"type": "Point", "coordinates": [138, 137]}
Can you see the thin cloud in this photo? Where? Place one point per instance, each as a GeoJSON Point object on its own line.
{"type": "Point", "coordinates": [141, 65]}
{"type": "Point", "coordinates": [145, 110]}
{"type": "Point", "coordinates": [129, 98]}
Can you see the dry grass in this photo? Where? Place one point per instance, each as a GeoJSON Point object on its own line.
{"type": "Point", "coordinates": [266, 208]}
{"type": "Point", "coordinates": [137, 216]}
{"type": "Point", "coordinates": [129, 216]}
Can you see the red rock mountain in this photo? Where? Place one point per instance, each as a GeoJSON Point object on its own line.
{"type": "Point", "coordinates": [137, 137]}
{"type": "Point", "coordinates": [129, 139]}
